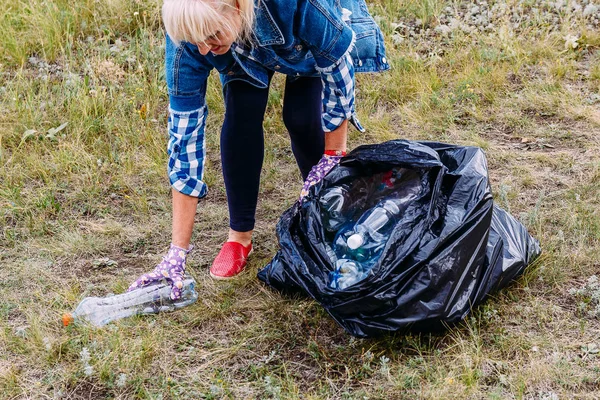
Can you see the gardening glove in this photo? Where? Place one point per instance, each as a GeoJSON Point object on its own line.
{"type": "Point", "coordinates": [318, 172]}
{"type": "Point", "coordinates": [172, 269]}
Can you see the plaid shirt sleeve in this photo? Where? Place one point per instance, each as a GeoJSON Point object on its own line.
{"type": "Point", "coordinates": [338, 94]}
{"type": "Point", "coordinates": [186, 151]}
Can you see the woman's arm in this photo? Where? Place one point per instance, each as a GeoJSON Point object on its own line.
{"type": "Point", "coordinates": [338, 102]}
{"type": "Point", "coordinates": [338, 108]}
{"type": "Point", "coordinates": [336, 139]}
{"type": "Point", "coordinates": [187, 73]}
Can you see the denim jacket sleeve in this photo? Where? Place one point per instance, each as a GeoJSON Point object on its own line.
{"type": "Point", "coordinates": [323, 30]}
{"type": "Point", "coordinates": [187, 75]}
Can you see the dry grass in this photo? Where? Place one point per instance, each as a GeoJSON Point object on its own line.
{"type": "Point", "coordinates": [97, 188]}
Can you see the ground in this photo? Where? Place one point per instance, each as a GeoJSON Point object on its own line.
{"type": "Point", "coordinates": [85, 208]}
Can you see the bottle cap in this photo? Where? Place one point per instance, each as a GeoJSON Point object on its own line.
{"type": "Point", "coordinates": [67, 319]}
{"type": "Point", "coordinates": [355, 241]}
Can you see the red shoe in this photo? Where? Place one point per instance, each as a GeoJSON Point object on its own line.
{"type": "Point", "coordinates": [230, 261]}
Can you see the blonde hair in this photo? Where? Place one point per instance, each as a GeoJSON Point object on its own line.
{"type": "Point", "coordinates": [195, 20]}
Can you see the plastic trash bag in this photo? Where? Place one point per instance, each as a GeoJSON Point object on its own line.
{"type": "Point", "coordinates": [448, 252]}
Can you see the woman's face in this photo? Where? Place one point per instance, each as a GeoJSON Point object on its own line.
{"type": "Point", "coordinates": [220, 41]}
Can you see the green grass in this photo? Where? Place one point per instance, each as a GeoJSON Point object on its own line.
{"type": "Point", "coordinates": [97, 188]}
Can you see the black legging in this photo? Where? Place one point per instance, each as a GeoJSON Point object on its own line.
{"type": "Point", "coordinates": [242, 140]}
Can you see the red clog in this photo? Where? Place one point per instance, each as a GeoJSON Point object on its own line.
{"type": "Point", "coordinates": [230, 261]}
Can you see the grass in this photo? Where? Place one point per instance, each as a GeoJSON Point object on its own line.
{"type": "Point", "coordinates": [96, 188]}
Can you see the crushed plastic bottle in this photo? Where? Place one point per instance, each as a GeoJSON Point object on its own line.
{"type": "Point", "coordinates": [152, 299]}
{"type": "Point", "coordinates": [333, 210]}
{"type": "Point", "coordinates": [339, 204]}
{"type": "Point", "coordinates": [347, 273]}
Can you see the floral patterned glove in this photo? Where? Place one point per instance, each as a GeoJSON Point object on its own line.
{"type": "Point", "coordinates": [172, 269]}
{"type": "Point", "coordinates": [318, 172]}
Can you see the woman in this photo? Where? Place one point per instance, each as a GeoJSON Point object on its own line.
{"type": "Point", "coordinates": [318, 44]}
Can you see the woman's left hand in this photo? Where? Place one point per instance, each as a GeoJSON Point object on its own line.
{"type": "Point", "coordinates": [318, 172]}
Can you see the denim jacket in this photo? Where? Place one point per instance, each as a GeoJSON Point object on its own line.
{"type": "Point", "coordinates": [327, 38]}
{"type": "Point", "coordinates": [294, 37]}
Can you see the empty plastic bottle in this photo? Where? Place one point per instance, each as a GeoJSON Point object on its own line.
{"type": "Point", "coordinates": [147, 300]}
{"type": "Point", "coordinates": [368, 236]}
{"type": "Point", "coordinates": [339, 203]}
{"type": "Point", "coordinates": [392, 183]}
{"type": "Point", "coordinates": [334, 211]}
{"type": "Point", "coordinates": [330, 253]}
{"type": "Point", "coordinates": [347, 273]}
{"type": "Point", "coordinates": [364, 241]}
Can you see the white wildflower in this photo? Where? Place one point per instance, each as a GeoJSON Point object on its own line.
{"type": "Point", "coordinates": [571, 42]}
{"type": "Point", "coordinates": [84, 356]}
{"type": "Point", "coordinates": [215, 390]}
{"type": "Point", "coordinates": [21, 331]}
{"type": "Point", "coordinates": [549, 396]}
{"type": "Point", "coordinates": [47, 343]}
{"type": "Point", "coordinates": [384, 365]}
{"type": "Point", "coordinates": [590, 9]}
{"type": "Point", "coordinates": [454, 24]}
{"type": "Point", "coordinates": [443, 29]}
{"type": "Point", "coordinates": [271, 388]}
{"type": "Point", "coordinates": [88, 370]}
{"type": "Point", "coordinates": [559, 4]}
{"type": "Point", "coordinates": [122, 380]}
{"type": "Point", "coordinates": [397, 38]}
{"type": "Point", "coordinates": [269, 358]}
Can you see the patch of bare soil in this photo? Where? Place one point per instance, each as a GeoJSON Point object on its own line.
{"type": "Point", "coordinates": [86, 390]}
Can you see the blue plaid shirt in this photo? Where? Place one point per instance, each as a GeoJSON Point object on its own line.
{"type": "Point", "coordinates": [187, 152]}
{"type": "Point", "coordinates": [338, 94]}
{"type": "Point", "coordinates": [186, 148]}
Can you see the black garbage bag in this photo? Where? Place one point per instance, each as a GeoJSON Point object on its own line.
{"type": "Point", "coordinates": [450, 249]}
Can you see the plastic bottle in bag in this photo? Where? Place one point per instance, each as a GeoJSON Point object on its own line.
{"type": "Point", "coordinates": [338, 204]}
{"type": "Point", "coordinates": [392, 183]}
{"type": "Point", "coordinates": [146, 300]}
{"type": "Point", "coordinates": [334, 208]}
{"type": "Point", "coordinates": [330, 253]}
{"type": "Point", "coordinates": [366, 238]}
{"type": "Point", "coordinates": [347, 273]}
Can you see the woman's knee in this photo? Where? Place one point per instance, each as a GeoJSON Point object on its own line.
{"type": "Point", "coordinates": [301, 120]}
{"type": "Point", "coordinates": [302, 106]}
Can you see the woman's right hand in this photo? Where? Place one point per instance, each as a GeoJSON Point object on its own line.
{"type": "Point", "coordinates": [319, 171]}
{"type": "Point", "coordinates": [171, 269]}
